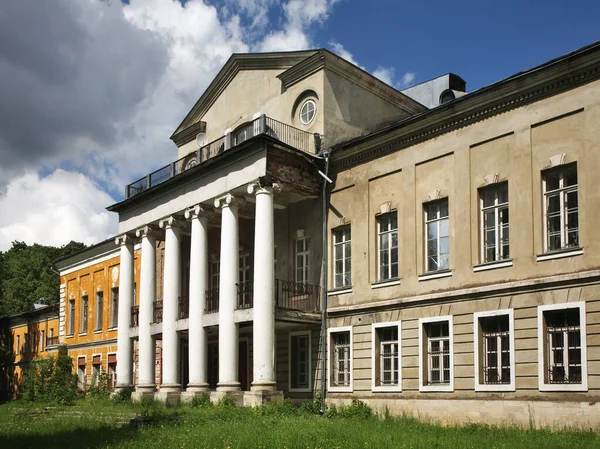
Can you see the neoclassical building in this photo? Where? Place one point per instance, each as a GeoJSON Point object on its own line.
{"type": "Point", "coordinates": [321, 230]}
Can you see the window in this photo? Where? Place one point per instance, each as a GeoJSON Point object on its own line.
{"type": "Point", "coordinates": [387, 244]}
{"type": "Point", "coordinates": [435, 346]}
{"type": "Point", "coordinates": [561, 345]}
{"type": "Point", "coordinates": [342, 257]}
{"type": "Point", "coordinates": [33, 341]}
{"type": "Point", "coordinates": [99, 310]}
{"type": "Point", "coordinates": [494, 351]}
{"type": "Point", "coordinates": [111, 370]}
{"type": "Point", "coordinates": [245, 282]}
{"type": "Point", "coordinates": [71, 317]}
{"type": "Point", "coordinates": [25, 343]}
{"type": "Point", "coordinates": [81, 373]}
{"type": "Point", "coordinates": [302, 260]}
{"type": "Point", "coordinates": [215, 269]}
{"type": "Point", "coordinates": [213, 365]}
{"type": "Point", "coordinates": [96, 368]}
{"type": "Point", "coordinates": [340, 356]}
{"type": "Point", "coordinates": [437, 248]}
{"type": "Point", "coordinates": [386, 356]}
{"type": "Point", "coordinates": [42, 340]}
{"type": "Point", "coordinates": [561, 208]}
{"type": "Point", "coordinates": [308, 110]}
{"type": "Point", "coordinates": [494, 223]}
{"type": "Point", "coordinates": [18, 347]}
{"type": "Point", "coordinates": [300, 361]}
{"type": "Point", "coordinates": [84, 314]}
{"type": "Point", "coordinates": [114, 307]}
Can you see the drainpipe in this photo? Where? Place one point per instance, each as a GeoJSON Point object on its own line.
{"type": "Point", "coordinates": [326, 181]}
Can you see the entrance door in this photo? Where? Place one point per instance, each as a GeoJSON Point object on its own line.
{"type": "Point", "coordinates": [243, 366]}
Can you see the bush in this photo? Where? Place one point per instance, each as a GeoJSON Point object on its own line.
{"type": "Point", "coordinates": [98, 390]}
{"type": "Point", "coordinates": [278, 408]}
{"type": "Point", "coordinates": [123, 394]}
{"type": "Point", "coordinates": [201, 401]}
{"type": "Point", "coordinates": [226, 401]}
{"type": "Point", "coordinates": [358, 409]}
{"type": "Point", "coordinates": [315, 406]}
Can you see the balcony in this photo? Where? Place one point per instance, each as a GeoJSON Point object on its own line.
{"type": "Point", "coordinates": [288, 295]}
{"type": "Point", "coordinates": [263, 125]}
{"type": "Point", "coordinates": [157, 311]}
{"type": "Point", "coordinates": [212, 300]}
{"type": "Point", "coordinates": [135, 316]}
{"type": "Point", "coordinates": [183, 307]}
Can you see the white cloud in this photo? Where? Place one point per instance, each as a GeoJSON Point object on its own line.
{"type": "Point", "coordinates": [407, 79]}
{"type": "Point", "coordinates": [54, 210]}
{"type": "Point", "coordinates": [385, 74]}
{"type": "Point", "coordinates": [341, 51]}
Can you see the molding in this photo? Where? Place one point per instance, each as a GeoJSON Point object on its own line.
{"type": "Point", "coordinates": [189, 134]}
{"type": "Point", "coordinates": [435, 275]}
{"type": "Point", "coordinates": [94, 344]}
{"type": "Point", "coordinates": [342, 291]}
{"type": "Point", "coordinates": [382, 284]}
{"type": "Point", "coordinates": [492, 265]}
{"type": "Point", "coordinates": [559, 254]}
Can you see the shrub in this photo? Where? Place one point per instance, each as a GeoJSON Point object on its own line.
{"type": "Point", "coordinates": [201, 401]}
{"type": "Point", "coordinates": [281, 408]}
{"type": "Point", "coordinates": [123, 394]}
{"type": "Point", "coordinates": [358, 409]}
{"type": "Point", "coordinates": [99, 390]}
{"type": "Point", "coordinates": [226, 401]}
{"type": "Point", "coordinates": [315, 406]}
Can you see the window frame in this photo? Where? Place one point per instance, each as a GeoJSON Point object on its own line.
{"type": "Point", "coordinates": [71, 318]}
{"type": "Point", "coordinates": [310, 377]}
{"type": "Point", "coordinates": [99, 315]}
{"type": "Point", "coordinates": [479, 386]}
{"type": "Point", "coordinates": [389, 235]}
{"type": "Point", "coordinates": [497, 207]}
{"type": "Point", "coordinates": [301, 109]}
{"type": "Point", "coordinates": [375, 361]}
{"type": "Point", "coordinates": [345, 388]}
{"type": "Point", "coordinates": [542, 348]}
{"type": "Point", "coordinates": [561, 191]}
{"type": "Point", "coordinates": [449, 387]}
{"type": "Point", "coordinates": [114, 307]}
{"type": "Point", "coordinates": [84, 318]}
{"type": "Point", "coordinates": [305, 254]}
{"type": "Point", "coordinates": [437, 220]}
{"type": "Point", "coordinates": [344, 244]}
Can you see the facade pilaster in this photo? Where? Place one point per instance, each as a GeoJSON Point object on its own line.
{"type": "Point", "coordinates": [197, 343]}
{"type": "Point", "coordinates": [146, 350]}
{"type": "Point", "coordinates": [124, 344]}
{"type": "Point", "coordinates": [228, 330]}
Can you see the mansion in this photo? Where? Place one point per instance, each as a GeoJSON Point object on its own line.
{"type": "Point", "coordinates": [427, 251]}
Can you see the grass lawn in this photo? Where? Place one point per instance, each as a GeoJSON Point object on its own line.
{"type": "Point", "coordinates": [107, 425]}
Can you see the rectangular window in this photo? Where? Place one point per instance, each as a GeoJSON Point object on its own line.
{"type": "Point", "coordinates": [387, 245]}
{"type": "Point", "coordinates": [437, 248]}
{"type": "Point", "coordinates": [99, 310]}
{"type": "Point", "coordinates": [302, 259]}
{"type": "Point", "coordinates": [494, 223]}
{"type": "Point", "coordinates": [340, 356]}
{"type": "Point", "coordinates": [561, 208]}
{"type": "Point", "coordinates": [386, 356]}
{"type": "Point", "coordinates": [18, 347]}
{"type": "Point", "coordinates": [42, 340]}
{"type": "Point", "coordinates": [494, 351]}
{"type": "Point", "coordinates": [84, 314]}
{"type": "Point", "coordinates": [435, 346]}
{"type": "Point", "coordinates": [114, 307]}
{"type": "Point", "coordinates": [561, 339]}
{"type": "Point", "coordinates": [71, 318]}
{"type": "Point", "coordinates": [342, 257]}
{"type": "Point", "coordinates": [81, 373]}
{"type": "Point", "coordinates": [215, 269]}
{"type": "Point", "coordinates": [33, 341]}
{"type": "Point", "coordinates": [25, 343]}
{"type": "Point", "coordinates": [300, 362]}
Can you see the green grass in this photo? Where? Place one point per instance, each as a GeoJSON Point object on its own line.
{"type": "Point", "coordinates": [102, 425]}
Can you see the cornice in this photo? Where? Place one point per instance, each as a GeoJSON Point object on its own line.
{"type": "Point", "coordinates": [189, 133]}
{"type": "Point", "coordinates": [480, 105]}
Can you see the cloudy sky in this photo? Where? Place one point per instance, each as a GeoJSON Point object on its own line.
{"type": "Point", "coordinates": [91, 90]}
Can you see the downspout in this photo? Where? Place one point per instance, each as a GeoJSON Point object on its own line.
{"type": "Point", "coordinates": [324, 284]}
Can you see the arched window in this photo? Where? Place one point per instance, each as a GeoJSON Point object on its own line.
{"type": "Point", "coordinates": [447, 96]}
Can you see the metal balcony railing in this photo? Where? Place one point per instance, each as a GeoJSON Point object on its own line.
{"type": "Point", "coordinates": [245, 295]}
{"type": "Point", "coordinates": [135, 316]}
{"type": "Point", "coordinates": [263, 125]}
{"type": "Point", "coordinates": [212, 300]}
{"type": "Point", "coordinates": [297, 296]}
{"type": "Point", "coordinates": [184, 307]}
{"type": "Point", "coordinates": [157, 315]}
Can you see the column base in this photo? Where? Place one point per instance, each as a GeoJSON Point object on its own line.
{"type": "Point", "coordinates": [229, 386]}
{"type": "Point", "coordinates": [143, 391]}
{"type": "Point", "coordinates": [259, 397]}
{"type": "Point", "coordinates": [238, 395]}
{"type": "Point", "coordinates": [265, 385]}
{"type": "Point", "coordinates": [169, 394]}
{"type": "Point", "coordinates": [194, 391]}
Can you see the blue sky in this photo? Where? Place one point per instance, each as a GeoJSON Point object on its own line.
{"type": "Point", "coordinates": [93, 90]}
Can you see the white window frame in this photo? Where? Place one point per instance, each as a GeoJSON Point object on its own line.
{"type": "Point", "coordinates": [375, 361]}
{"type": "Point", "coordinates": [389, 236]}
{"type": "Point", "coordinates": [330, 387]}
{"type": "Point", "coordinates": [310, 379]}
{"type": "Point", "coordinates": [97, 380]}
{"type": "Point", "coordinates": [215, 273]}
{"type": "Point", "coordinates": [71, 318]}
{"type": "Point", "coordinates": [114, 308]}
{"type": "Point", "coordinates": [99, 315]}
{"type": "Point", "coordinates": [449, 387]}
{"type": "Point", "coordinates": [305, 103]}
{"type": "Point", "coordinates": [344, 244]}
{"type": "Point", "coordinates": [498, 208]}
{"type": "Point", "coordinates": [543, 386]}
{"type": "Point", "coordinates": [479, 385]}
{"type": "Point", "coordinates": [437, 221]}
{"type": "Point", "coordinates": [305, 255]}
{"type": "Point", "coordinates": [561, 191]}
{"type": "Point", "coordinates": [84, 318]}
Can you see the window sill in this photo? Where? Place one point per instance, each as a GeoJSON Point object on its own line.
{"type": "Point", "coordinates": [340, 291]}
{"type": "Point", "coordinates": [386, 283]}
{"type": "Point", "coordinates": [436, 388]}
{"type": "Point", "coordinates": [493, 265]}
{"type": "Point", "coordinates": [560, 254]}
{"type": "Point", "coordinates": [563, 387]}
{"type": "Point", "coordinates": [300, 390]}
{"type": "Point", "coordinates": [82, 334]}
{"type": "Point", "coordinates": [340, 389]}
{"type": "Point", "coordinates": [435, 275]}
{"type": "Point", "coordinates": [98, 331]}
{"type": "Point", "coordinates": [495, 387]}
{"type": "Point", "coordinates": [114, 328]}
{"type": "Point", "coordinates": [387, 389]}
{"type": "Point", "coordinates": [69, 336]}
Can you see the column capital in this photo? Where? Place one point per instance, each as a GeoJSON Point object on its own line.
{"type": "Point", "coordinates": [124, 239]}
{"type": "Point", "coordinates": [228, 200]}
{"type": "Point", "coordinates": [147, 231]}
{"type": "Point", "coordinates": [198, 211]}
{"type": "Point", "coordinates": [171, 221]}
{"type": "Point", "coordinates": [256, 188]}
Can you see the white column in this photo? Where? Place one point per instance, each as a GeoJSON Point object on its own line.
{"type": "Point", "coordinates": [264, 290]}
{"type": "Point", "coordinates": [228, 331]}
{"type": "Point", "coordinates": [124, 345]}
{"type": "Point", "coordinates": [197, 344]}
{"type": "Point", "coordinates": [171, 293]}
{"type": "Point", "coordinates": [146, 350]}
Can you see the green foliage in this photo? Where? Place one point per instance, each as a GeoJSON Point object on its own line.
{"type": "Point", "coordinates": [226, 401]}
{"type": "Point", "coordinates": [123, 394]}
{"type": "Point", "coordinates": [26, 275]}
{"type": "Point", "coordinates": [316, 406]}
{"type": "Point", "coordinates": [281, 408]}
{"type": "Point", "coordinates": [49, 380]}
{"type": "Point", "coordinates": [358, 409]}
{"type": "Point", "coordinates": [201, 401]}
{"type": "Point", "coordinates": [98, 390]}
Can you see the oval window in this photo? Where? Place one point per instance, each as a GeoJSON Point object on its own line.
{"type": "Point", "coordinates": [308, 112]}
